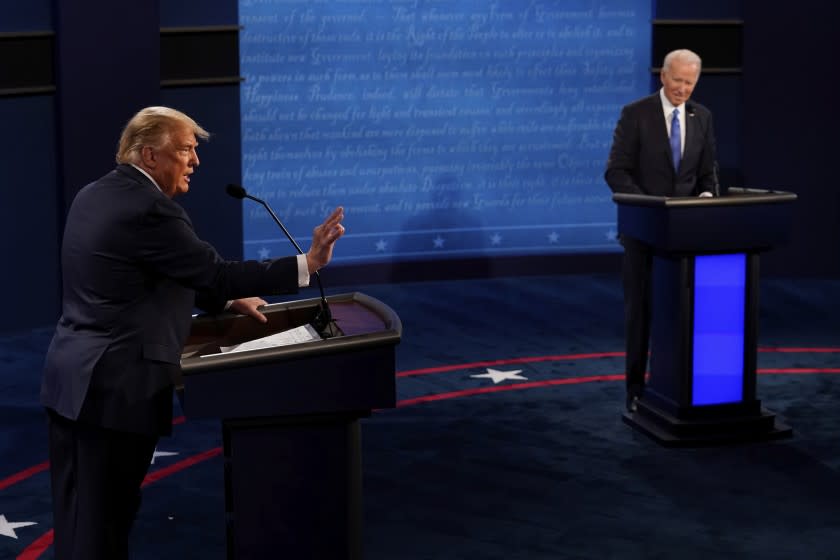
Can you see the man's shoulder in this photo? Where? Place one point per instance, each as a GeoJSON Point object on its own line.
{"type": "Point", "coordinates": [122, 176]}
{"type": "Point", "coordinates": [122, 192]}
{"type": "Point", "coordinates": [644, 103]}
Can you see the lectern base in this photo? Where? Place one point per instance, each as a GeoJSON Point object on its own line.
{"type": "Point", "coordinates": [293, 487]}
{"type": "Point", "coordinates": [671, 431]}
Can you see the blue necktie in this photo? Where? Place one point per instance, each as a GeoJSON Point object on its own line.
{"type": "Point", "coordinates": [675, 139]}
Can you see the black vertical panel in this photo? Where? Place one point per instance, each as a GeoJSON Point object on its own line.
{"type": "Point", "coordinates": [791, 125]}
{"type": "Point", "coordinates": [28, 214]}
{"type": "Point", "coordinates": [107, 68]}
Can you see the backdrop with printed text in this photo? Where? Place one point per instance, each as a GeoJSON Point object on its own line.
{"type": "Point", "coordinates": [446, 129]}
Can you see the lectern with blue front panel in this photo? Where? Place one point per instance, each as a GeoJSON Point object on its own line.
{"type": "Point", "coordinates": [702, 385]}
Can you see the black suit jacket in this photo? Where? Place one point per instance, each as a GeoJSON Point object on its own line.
{"type": "Point", "coordinates": [640, 157]}
{"type": "Point", "coordinates": [133, 270]}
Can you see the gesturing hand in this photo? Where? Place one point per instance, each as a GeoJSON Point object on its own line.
{"type": "Point", "coordinates": [324, 237]}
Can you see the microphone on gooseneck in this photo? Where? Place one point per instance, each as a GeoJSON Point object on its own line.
{"type": "Point", "coordinates": [323, 318]}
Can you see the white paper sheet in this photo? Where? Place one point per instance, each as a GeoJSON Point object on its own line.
{"type": "Point", "coordinates": [297, 335]}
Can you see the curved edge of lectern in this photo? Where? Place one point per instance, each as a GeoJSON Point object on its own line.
{"type": "Point", "coordinates": [388, 333]}
{"type": "Point", "coordinates": [735, 196]}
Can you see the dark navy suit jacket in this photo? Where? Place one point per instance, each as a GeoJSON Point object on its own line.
{"type": "Point", "coordinates": [640, 158]}
{"type": "Point", "coordinates": [133, 270]}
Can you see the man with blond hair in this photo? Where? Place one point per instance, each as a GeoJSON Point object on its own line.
{"type": "Point", "coordinates": [133, 270]}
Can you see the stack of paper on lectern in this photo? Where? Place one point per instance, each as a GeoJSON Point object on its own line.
{"type": "Point", "coordinates": [297, 335]}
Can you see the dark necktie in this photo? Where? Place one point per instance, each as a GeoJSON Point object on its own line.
{"type": "Point", "coordinates": [675, 139]}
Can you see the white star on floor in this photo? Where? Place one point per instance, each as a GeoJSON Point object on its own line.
{"type": "Point", "coordinates": [264, 252]}
{"type": "Point", "coordinates": [438, 241]}
{"type": "Point", "coordinates": [498, 376]}
{"type": "Point", "coordinates": [8, 529]}
{"type": "Point", "coordinates": [162, 454]}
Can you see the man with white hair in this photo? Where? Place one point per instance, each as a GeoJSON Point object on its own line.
{"type": "Point", "coordinates": [663, 145]}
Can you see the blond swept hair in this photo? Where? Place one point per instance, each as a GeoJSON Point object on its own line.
{"type": "Point", "coordinates": [151, 127]}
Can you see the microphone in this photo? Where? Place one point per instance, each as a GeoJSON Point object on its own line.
{"type": "Point", "coordinates": [689, 109]}
{"type": "Point", "coordinates": [323, 319]}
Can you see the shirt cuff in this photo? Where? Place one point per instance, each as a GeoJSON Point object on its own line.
{"type": "Point", "coordinates": [303, 271]}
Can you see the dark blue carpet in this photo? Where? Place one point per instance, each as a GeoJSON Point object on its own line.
{"type": "Point", "coordinates": [542, 468]}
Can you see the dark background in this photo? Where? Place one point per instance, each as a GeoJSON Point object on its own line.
{"type": "Point", "coordinates": [72, 73]}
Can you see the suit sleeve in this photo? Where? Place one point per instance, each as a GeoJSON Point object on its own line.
{"type": "Point", "coordinates": [706, 172]}
{"type": "Point", "coordinates": [624, 154]}
{"type": "Point", "coordinates": [169, 247]}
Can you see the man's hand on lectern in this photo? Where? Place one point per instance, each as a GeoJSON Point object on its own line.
{"type": "Point", "coordinates": [249, 306]}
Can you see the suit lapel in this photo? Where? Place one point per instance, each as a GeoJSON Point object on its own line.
{"type": "Point", "coordinates": [692, 130]}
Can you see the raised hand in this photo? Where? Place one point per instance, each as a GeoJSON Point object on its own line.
{"type": "Point", "coordinates": [324, 237]}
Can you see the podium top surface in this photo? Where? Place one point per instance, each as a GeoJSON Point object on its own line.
{"type": "Point", "coordinates": [364, 322]}
{"type": "Point", "coordinates": [734, 197]}
{"type": "Point", "coordinates": [744, 220]}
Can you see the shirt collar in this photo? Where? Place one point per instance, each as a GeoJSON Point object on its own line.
{"type": "Point", "coordinates": [667, 107]}
{"type": "Point", "coordinates": [143, 171]}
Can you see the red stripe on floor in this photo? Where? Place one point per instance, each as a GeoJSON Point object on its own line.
{"type": "Point", "coordinates": [511, 387]}
{"type": "Point", "coordinates": [526, 360]}
{"type": "Point", "coordinates": [24, 474]}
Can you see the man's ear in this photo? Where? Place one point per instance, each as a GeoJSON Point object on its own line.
{"type": "Point", "coordinates": [147, 156]}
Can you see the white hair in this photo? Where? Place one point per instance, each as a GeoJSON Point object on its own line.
{"type": "Point", "coordinates": [683, 55]}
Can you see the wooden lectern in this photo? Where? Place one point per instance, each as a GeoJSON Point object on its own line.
{"type": "Point", "coordinates": [704, 327]}
{"type": "Point", "coordinates": [290, 422]}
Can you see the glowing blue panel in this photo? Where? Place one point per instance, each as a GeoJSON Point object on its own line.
{"type": "Point", "coordinates": [445, 129]}
{"type": "Point", "coordinates": [719, 302]}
